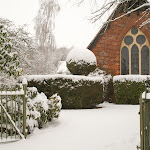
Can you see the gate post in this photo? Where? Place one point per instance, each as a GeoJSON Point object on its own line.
{"type": "Point", "coordinates": [141, 124]}
{"type": "Point", "coordinates": [24, 82]}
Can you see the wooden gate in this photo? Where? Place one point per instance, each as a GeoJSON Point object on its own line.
{"type": "Point", "coordinates": [144, 121]}
{"type": "Point", "coordinates": [13, 114]}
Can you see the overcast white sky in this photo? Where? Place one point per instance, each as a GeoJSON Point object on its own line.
{"type": "Point", "coordinates": [72, 25]}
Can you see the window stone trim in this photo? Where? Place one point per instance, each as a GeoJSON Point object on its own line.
{"type": "Point", "coordinates": [129, 33]}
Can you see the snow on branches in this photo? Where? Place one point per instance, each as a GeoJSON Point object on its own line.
{"type": "Point", "coordinates": [22, 44]}
{"type": "Point", "coordinates": [9, 63]}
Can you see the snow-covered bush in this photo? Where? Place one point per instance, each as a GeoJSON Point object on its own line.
{"type": "Point", "coordinates": [81, 61]}
{"type": "Point", "coordinates": [108, 90]}
{"type": "Point", "coordinates": [76, 91]}
{"type": "Point", "coordinates": [9, 63]}
{"type": "Point", "coordinates": [39, 109]}
{"type": "Point", "coordinates": [62, 68]}
{"type": "Point", "coordinates": [127, 88]}
{"type": "Point", "coordinates": [23, 44]}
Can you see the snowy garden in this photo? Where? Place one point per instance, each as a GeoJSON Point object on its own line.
{"type": "Point", "coordinates": [90, 119]}
{"type": "Point", "coordinates": [59, 98]}
{"type": "Point", "coordinates": [108, 128]}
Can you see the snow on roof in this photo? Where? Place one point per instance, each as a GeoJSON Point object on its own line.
{"type": "Point", "coordinates": [78, 54]}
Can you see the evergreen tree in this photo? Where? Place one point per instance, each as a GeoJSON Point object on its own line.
{"type": "Point", "coordinates": [9, 64]}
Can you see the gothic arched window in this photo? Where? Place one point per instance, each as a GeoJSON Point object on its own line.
{"type": "Point", "coordinates": [135, 53]}
{"type": "Point", "coordinates": [125, 60]}
{"type": "Point", "coordinates": [145, 60]}
{"type": "Point", "coordinates": [134, 59]}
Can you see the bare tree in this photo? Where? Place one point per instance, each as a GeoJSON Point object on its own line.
{"type": "Point", "coordinates": [126, 6]}
{"type": "Point", "coordinates": [44, 25]}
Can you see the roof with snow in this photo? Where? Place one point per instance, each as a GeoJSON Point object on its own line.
{"type": "Point", "coordinates": [123, 7]}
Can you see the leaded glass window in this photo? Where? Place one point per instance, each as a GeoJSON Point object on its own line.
{"type": "Point", "coordinates": [140, 39]}
{"type": "Point", "coordinates": [128, 40]}
{"type": "Point", "coordinates": [125, 61]}
{"type": "Point", "coordinates": [134, 30]}
{"type": "Point", "coordinates": [135, 53]}
{"type": "Point", "coordinates": [134, 60]}
{"type": "Point", "coordinates": [145, 60]}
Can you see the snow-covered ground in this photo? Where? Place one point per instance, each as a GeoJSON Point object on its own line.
{"type": "Point", "coordinates": [112, 127]}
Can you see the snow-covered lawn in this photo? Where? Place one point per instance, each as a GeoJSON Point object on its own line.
{"type": "Point", "coordinates": [113, 127]}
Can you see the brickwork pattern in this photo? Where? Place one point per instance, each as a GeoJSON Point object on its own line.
{"type": "Point", "coordinates": [107, 49]}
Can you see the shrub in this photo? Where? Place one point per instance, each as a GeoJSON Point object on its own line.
{"type": "Point", "coordinates": [76, 91]}
{"type": "Point", "coordinates": [39, 109]}
{"type": "Point", "coordinates": [127, 88]}
{"type": "Point", "coordinates": [108, 90]}
{"type": "Point", "coordinates": [108, 95]}
{"type": "Point", "coordinates": [9, 64]}
{"type": "Point", "coordinates": [81, 62]}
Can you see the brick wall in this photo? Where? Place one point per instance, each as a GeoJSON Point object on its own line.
{"type": "Point", "coordinates": [107, 48]}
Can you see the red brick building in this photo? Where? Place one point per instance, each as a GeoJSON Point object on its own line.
{"type": "Point", "coordinates": [122, 46]}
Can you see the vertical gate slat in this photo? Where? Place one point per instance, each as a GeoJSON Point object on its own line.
{"type": "Point", "coordinates": [24, 109]}
{"type": "Point", "coordinates": [145, 122]}
{"type": "Point", "coordinates": [19, 112]}
{"type": "Point", "coordinates": [1, 120]}
{"type": "Point", "coordinates": [15, 112]}
{"type": "Point", "coordinates": [141, 122]}
{"type": "Point", "coordinates": [6, 115]}
{"type": "Point", "coordinates": [11, 115]}
{"type": "Point", "coordinates": [149, 124]}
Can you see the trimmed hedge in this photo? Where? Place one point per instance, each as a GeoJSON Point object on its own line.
{"type": "Point", "coordinates": [80, 68]}
{"type": "Point", "coordinates": [109, 95]}
{"type": "Point", "coordinates": [81, 61]}
{"type": "Point", "coordinates": [108, 90]}
{"type": "Point", "coordinates": [76, 92]}
{"type": "Point", "coordinates": [128, 88]}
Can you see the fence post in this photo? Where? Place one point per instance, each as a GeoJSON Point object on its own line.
{"type": "Point", "coordinates": [24, 82]}
{"type": "Point", "coordinates": [141, 124]}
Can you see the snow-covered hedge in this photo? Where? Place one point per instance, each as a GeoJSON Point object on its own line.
{"type": "Point", "coordinates": [81, 61]}
{"type": "Point", "coordinates": [108, 90]}
{"type": "Point", "coordinates": [76, 91]}
{"type": "Point", "coordinates": [127, 88]}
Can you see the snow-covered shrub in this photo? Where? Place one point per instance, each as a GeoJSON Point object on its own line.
{"type": "Point", "coordinates": [9, 63]}
{"type": "Point", "coordinates": [62, 68]}
{"type": "Point", "coordinates": [108, 94]}
{"type": "Point", "coordinates": [81, 61]}
{"type": "Point", "coordinates": [39, 109]}
{"type": "Point", "coordinates": [127, 88]}
{"type": "Point", "coordinates": [76, 91]}
{"type": "Point", "coordinates": [108, 90]}
{"type": "Point", "coordinates": [39, 104]}
{"type": "Point", "coordinates": [55, 107]}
